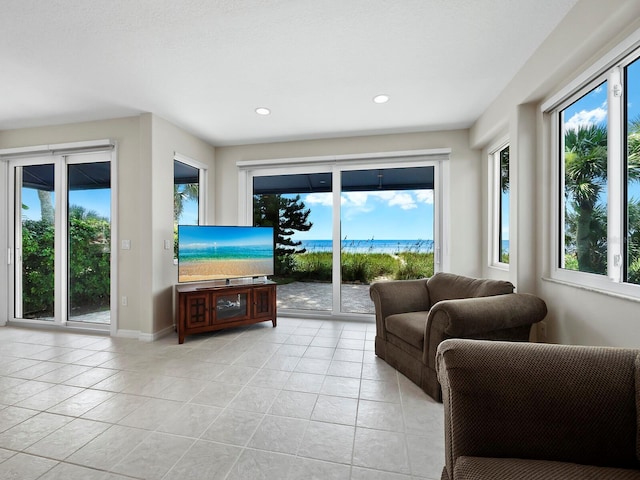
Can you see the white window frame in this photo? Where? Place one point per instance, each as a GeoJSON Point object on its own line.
{"type": "Point", "coordinates": [202, 184]}
{"type": "Point", "coordinates": [60, 155]}
{"type": "Point", "coordinates": [607, 68]}
{"type": "Point", "coordinates": [495, 213]}
{"type": "Point", "coordinates": [437, 158]}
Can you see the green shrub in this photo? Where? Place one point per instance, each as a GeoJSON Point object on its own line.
{"type": "Point", "coordinates": [89, 265]}
{"type": "Point", "coordinates": [355, 267]}
{"type": "Point", "coordinates": [313, 266]}
{"type": "Point", "coordinates": [362, 267]}
{"type": "Point", "coordinates": [414, 265]}
{"type": "Point", "coordinates": [571, 261]}
{"type": "Point", "coordinates": [37, 268]}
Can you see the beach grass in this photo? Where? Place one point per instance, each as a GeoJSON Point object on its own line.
{"type": "Point", "coordinates": [361, 267]}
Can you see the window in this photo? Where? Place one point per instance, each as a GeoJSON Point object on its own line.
{"type": "Point", "coordinates": [499, 240]}
{"type": "Point", "coordinates": [60, 237]}
{"type": "Point", "coordinates": [385, 231]}
{"type": "Point", "coordinates": [583, 134]}
{"type": "Point", "coordinates": [188, 195]}
{"type": "Point", "coordinates": [343, 224]}
{"type": "Point", "coordinates": [597, 147]}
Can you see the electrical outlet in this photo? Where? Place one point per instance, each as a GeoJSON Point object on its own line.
{"type": "Point", "coordinates": [542, 331]}
{"type": "Point", "coordinates": [125, 301]}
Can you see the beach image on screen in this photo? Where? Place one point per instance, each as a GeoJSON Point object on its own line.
{"type": "Point", "coordinates": [208, 252]}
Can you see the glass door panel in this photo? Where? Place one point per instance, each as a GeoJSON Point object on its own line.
{"type": "Point", "coordinates": [89, 241]}
{"type": "Point", "coordinates": [387, 230]}
{"type": "Point", "coordinates": [300, 208]}
{"type": "Point", "coordinates": [35, 242]}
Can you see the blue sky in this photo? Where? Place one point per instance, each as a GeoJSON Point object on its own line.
{"type": "Point", "coordinates": [592, 109]}
{"type": "Point", "coordinates": [222, 236]}
{"type": "Point", "coordinates": [98, 200]}
{"type": "Point", "coordinates": [379, 215]}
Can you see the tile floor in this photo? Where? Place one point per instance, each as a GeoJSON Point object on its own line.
{"type": "Point", "coordinates": [305, 400]}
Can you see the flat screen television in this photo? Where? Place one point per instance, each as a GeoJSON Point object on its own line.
{"type": "Point", "coordinates": [216, 252]}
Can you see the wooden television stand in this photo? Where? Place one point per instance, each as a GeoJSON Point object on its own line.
{"type": "Point", "coordinates": [208, 306]}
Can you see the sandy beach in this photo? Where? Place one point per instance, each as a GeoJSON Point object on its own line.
{"type": "Point", "coordinates": [221, 269]}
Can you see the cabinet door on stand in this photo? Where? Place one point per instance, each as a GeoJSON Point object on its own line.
{"type": "Point", "coordinates": [264, 302]}
{"type": "Point", "coordinates": [232, 306]}
{"type": "Point", "coordinates": [197, 310]}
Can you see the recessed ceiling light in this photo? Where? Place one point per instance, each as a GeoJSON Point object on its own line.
{"type": "Point", "coordinates": [381, 98]}
{"type": "Point", "coordinates": [263, 111]}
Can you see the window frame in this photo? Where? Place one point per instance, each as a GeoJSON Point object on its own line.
{"type": "Point", "coordinates": [202, 184]}
{"type": "Point", "coordinates": [59, 155]}
{"type": "Point", "coordinates": [495, 204]}
{"type": "Point", "coordinates": [336, 164]}
{"type": "Point", "coordinates": [610, 69]}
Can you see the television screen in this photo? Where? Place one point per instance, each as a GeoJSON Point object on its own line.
{"type": "Point", "coordinates": [215, 252]}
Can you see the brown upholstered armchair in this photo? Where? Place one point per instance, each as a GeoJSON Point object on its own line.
{"type": "Point", "coordinates": [414, 316]}
{"type": "Point", "coordinates": [518, 411]}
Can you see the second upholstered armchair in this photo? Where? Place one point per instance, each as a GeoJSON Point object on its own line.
{"type": "Point", "coordinates": [414, 316]}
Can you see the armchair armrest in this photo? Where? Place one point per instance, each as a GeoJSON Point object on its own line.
{"type": "Point", "coordinates": [398, 296]}
{"type": "Point", "coordinates": [481, 317]}
{"type": "Point", "coordinates": [538, 401]}
{"type": "Point", "coordinates": [466, 317]}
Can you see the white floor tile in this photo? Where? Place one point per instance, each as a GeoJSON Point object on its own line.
{"type": "Point", "coordinates": [330, 442]}
{"type": "Point", "coordinates": [205, 460]}
{"type": "Point", "coordinates": [153, 457]}
{"type": "Point", "coordinates": [233, 426]}
{"type": "Point", "coordinates": [380, 450]}
{"type": "Point", "coordinates": [294, 404]}
{"type": "Point", "coordinates": [306, 400]}
{"type": "Point", "coordinates": [279, 434]}
{"type": "Point", "coordinates": [332, 409]}
{"type": "Point", "coordinates": [259, 465]}
{"type": "Point", "coordinates": [25, 467]}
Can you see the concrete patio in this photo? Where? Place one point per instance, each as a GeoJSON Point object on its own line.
{"type": "Point", "coordinates": [318, 296]}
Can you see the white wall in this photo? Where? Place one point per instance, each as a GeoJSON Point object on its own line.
{"type": "Point", "coordinates": [166, 140]}
{"type": "Point", "coordinates": [576, 316]}
{"type": "Point", "coordinates": [464, 187]}
{"type": "Point", "coordinates": [144, 215]}
{"type": "Point", "coordinates": [126, 132]}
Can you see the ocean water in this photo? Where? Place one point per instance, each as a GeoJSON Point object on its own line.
{"type": "Point", "coordinates": [228, 252]}
{"type": "Point", "coordinates": [378, 246]}
{"type": "Point", "coordinates": [371, 246]}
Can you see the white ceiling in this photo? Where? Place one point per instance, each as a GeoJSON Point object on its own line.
{"type": "Point", "coordinates": [205, 65]}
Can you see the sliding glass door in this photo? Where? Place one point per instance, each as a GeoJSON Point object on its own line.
{"type": "Point", "coordinates": [61, 239]}
{"type": "Point", "coordinates": [386, 230]}
{"type": "Point", "coordinates": [299, 207]}
{"type": "Point", "coordinates": [35, 242]}
{"type": "Point", "coordinates": [343, 226]}
{"type": "Point", "coordinates": [89, 239]}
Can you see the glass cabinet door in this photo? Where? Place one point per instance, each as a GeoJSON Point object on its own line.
{"type": "Point", "coordinates": [230, 307]}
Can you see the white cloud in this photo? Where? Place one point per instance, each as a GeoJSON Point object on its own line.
{"type": "Point", "coordinates": [585, 118]}
{"type": "Point", "coordinates": [355, 199]}
{"type": "Point", "coordinates": [354, 203]}
{"type": "Point", "coordinates": [324, 199]}
{"type": "Point", "coordinates": [366, 201]}
{"type": "Point", "coordinates": [425, 196]}
{"type": "Point", "coordinates": [404, 200]}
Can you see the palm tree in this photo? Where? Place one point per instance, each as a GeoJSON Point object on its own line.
{"type": "Point", "coordinates": [633, 206]}
{"type": "Point", "coordinates": [585, 177]}
{"type": "Point", "coordinates": [46, 206]}
{"type": "Point", "coordinates": [181, 194]}
{"type": "Point", "coordinates": [504, 170]}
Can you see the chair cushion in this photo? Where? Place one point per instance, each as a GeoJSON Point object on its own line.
{"type": "Point", "coordinates": [409, 327]}
{"type": "Point", "coordinates": [478, 468]}
{"type": "Point", "coordinates": [448, 286]}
